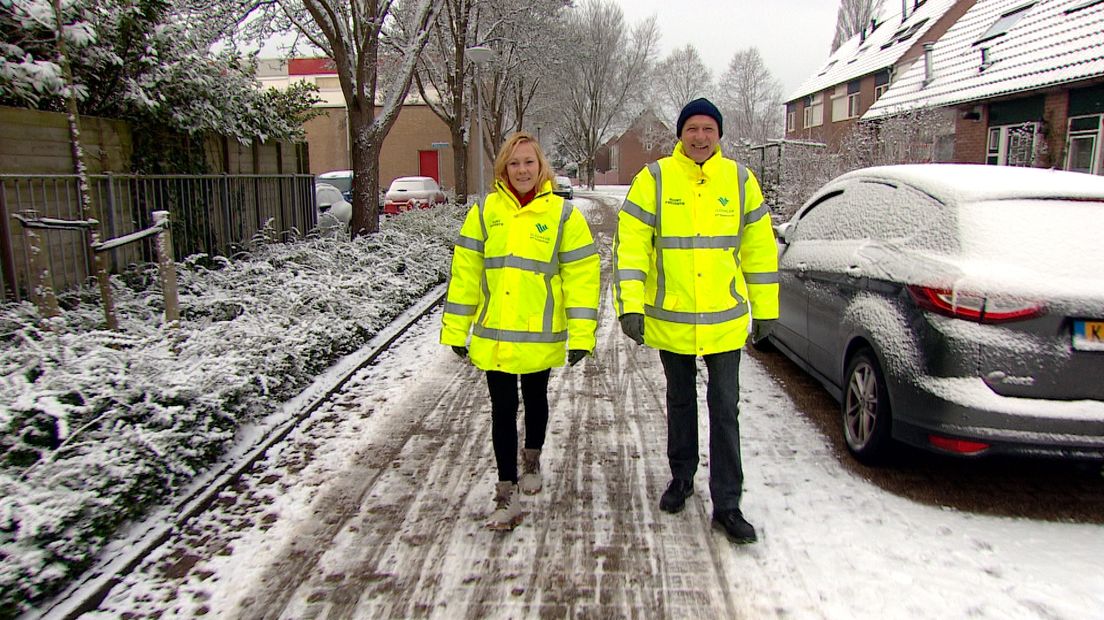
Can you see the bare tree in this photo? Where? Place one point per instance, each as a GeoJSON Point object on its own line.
{"type": "Point", "coordinates": [354, 35]}
{"type": "Point", "coordinates": [609, 69]}
{"type": "Point", "coordinates": [681, 77]}
{"type": "Point", "coordinates": [531, 38]}
{"type": "Point", "coordinates": [853, 16]}
{"type": "Point", "coordinates": [751, 101]}
{"type": "Point", "coordinates": [521, 33]}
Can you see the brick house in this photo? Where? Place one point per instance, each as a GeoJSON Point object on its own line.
{"type": "Point", "coordinates": [418, 143]}
{"type": "Point", "coordinates": [646, 139]}
{"type": "Point", "coordinates": [828, 104]}
{"type": "Point", "coordinates": [1025, 80]}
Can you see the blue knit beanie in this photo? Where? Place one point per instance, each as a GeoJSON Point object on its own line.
{"type": "Point", "coordinates": [699, 106]}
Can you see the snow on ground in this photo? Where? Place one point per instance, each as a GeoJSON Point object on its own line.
{"type": "Point", "coordinates": [374, 509]}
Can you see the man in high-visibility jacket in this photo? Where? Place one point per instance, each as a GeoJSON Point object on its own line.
{"type": "Point", "coordinates": [695, 261]}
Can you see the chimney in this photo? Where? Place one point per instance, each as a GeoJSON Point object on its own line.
{"type": "Point", "coordinates": [928, 69]}
{"type": "Point", "coordinates": [904, 10]}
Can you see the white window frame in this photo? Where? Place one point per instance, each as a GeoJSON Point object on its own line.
{"type": "Point", "coordinates": [1096, 165]}
{"type": "Point", "coordinates": [854, 103]}
{"type": "Point", "coordinates": [1004, 139]}
{"type": "Point", "coordinates": [814, 113]}
{"type": "Point", "coordinates": [791, 120]}
{"type": "Point", "coordinates": [839, 103]}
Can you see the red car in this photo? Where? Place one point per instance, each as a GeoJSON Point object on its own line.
{"type": "Point", "coordinates": [407, 193]}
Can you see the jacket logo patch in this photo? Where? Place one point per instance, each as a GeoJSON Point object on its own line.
{"type": "Point", "coordinates": [541, 227]}
{"type": "Point", "coordinates": [723, 201]}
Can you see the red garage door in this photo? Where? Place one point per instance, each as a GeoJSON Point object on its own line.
{"type": "Point", "coordinates": [429, 165]}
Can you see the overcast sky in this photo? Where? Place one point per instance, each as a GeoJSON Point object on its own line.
{"type": "Point", "coordinates": [793, 36]}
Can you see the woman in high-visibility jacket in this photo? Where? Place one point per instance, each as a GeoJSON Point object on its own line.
{"type": "Point", "coordinates": [524, 284]}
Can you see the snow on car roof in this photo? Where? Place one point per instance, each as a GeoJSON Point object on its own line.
{"type": "Point", "coordinates": [950, 183]}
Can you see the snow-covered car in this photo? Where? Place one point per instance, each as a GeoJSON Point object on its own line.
{"type": "Point", "coordinates": [334, 211]}
{"type": "Point", "coordinates": [561, 186]}
{"type": "Point", "coordinates": [954, 307]}
{"type": "Point", "coordinates": [341, 179]}
{"type": "Point", "coordinates": [406, 193]}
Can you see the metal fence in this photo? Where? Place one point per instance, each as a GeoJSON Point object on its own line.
{"type": "Point", "coordinates": [210, 214]}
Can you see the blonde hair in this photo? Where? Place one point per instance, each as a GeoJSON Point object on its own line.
{"type": "Point", "coordinates": [544, 174]}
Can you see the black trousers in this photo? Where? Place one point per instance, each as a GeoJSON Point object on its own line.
{"type": "Point", "coordinates": [503, 387]}
{"type": "Point", "coordinates": [722, 395]}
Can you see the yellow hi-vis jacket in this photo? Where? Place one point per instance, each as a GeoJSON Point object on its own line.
{"type": "Point", "coordinates": [695, 254]}
{"type": "Point", "coordinates": [524, 282]}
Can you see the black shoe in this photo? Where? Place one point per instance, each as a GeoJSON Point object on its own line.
{"type": "Point", "coordinates": [735, 527]}
{"type": "Point", "coordinates": [674, 498]}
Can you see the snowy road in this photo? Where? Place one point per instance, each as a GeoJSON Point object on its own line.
{"type": "Point", "coordinates": [374, 508]}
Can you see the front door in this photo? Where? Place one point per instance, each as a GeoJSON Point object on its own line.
{"type": "Point", "coordinates": [429, 165]}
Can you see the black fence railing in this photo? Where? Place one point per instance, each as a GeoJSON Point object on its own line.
{"type": "Point", "coordinates": [211, 214]}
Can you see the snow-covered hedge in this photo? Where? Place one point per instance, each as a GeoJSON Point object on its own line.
{"type": "Point", "coordinates": [97, 427]}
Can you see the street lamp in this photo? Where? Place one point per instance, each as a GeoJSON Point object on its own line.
{"type": "Point", "coordinates": [480, 55]}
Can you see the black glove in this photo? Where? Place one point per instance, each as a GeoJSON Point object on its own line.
{"type": "Point", "coordinates": [461, 351]}
{"type": "Point", "coordinates": [575, 355]}
{"type": "Point", "coordinates": [633, 326]}
{"type": "Point", "coordinates": [761, 328]}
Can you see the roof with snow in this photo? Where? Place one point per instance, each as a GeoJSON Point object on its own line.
{"type": "Point", "coordinates": [880, 49]}
{"type": "Point", "coordinates": [1028, 45]}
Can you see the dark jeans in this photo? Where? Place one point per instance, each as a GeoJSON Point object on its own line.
{"type": "Point", "coordinates": [726, 472]}
{"type": "Point", "coordinates": [504, 408]}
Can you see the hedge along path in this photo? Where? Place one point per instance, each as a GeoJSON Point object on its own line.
{"type": "Point", "coordinates": [122, 556]}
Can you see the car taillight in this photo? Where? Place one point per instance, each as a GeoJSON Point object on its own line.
{"type": "Point", "coordinates": [974, 307]}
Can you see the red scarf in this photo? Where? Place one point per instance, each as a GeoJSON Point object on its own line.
{"type": "Point", "coordinates": [527, 198]}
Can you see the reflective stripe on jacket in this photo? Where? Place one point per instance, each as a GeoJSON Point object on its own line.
{"type": "Point", "coordinates": [695, 253]}
{"type": "Point", "coordinates": [524, 282]}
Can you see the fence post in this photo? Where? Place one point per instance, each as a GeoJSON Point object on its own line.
{"type": "Point", "coordinates": [42, 289]}
{"type": "Point", "coordinates": [167, 268]}
{"type": "Point", "coordinates": [104, 279]}
{"type": "Point", "coordinates": [7, 254]}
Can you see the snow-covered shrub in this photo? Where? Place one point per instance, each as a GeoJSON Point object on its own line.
{"type": "Point", "coordinates": [97, 427]}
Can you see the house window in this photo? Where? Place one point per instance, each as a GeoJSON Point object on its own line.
{"type": "Point", "coordinates": [1013, 145]}
{"type": "Point", "coordinates": [791, 119]}
{"type": "Point", "coordinates": [1086, 135]}
{"type": "Point", "coordinates": [853, 105]}
{"type": "Point", "coordinates": [814, 110]}
{"type": "Point", "coordinates": [1082, 6]}
{"type": "Point", "coordinates": [853, 99]}
{"type": "Point", "coordinates": [905, 33]}
{"type": "Point", "coordinates": [881, 84]}
{"type": "Point", "coordinates": [1005, 23]}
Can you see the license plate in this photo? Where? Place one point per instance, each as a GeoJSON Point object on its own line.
{"type": "Point", "coordinates": [1088, 335]}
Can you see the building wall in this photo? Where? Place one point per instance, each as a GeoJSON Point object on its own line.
{"type": "Point", "coordinates": [415, 129]}
{"type": "Point", "coordinates": [1055, 128]}
{"type": "Point", "coordinates": [973, 121]}
{"type": "Point", "coordinates": [971, 134]}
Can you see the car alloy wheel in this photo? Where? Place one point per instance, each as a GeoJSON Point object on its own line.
{"type": "Point", "coordinates": [865, 409]}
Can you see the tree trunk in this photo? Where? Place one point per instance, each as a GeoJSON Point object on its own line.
{"type": "Point", "coordinates": [460, 163]}
{"type": "Point", "coordinates": [366, 146]}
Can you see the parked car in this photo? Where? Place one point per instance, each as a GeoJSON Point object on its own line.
{"type": "Point", "coordinates": [406, 193]}
{"type": "Point", "coordinates": [341, 179]}
{"type": "Point", "coordinates": [334, 211]}
{"type": "Point", "coordinates": [957, 308]}
{"type": "Point", "coordinates": [561, 186]}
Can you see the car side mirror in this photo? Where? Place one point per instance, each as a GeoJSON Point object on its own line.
{"type": "Point", "coordinates": [782, 232]}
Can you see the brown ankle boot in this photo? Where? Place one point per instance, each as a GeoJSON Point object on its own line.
{"type": "Point", "coordinates": [531, 481]}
